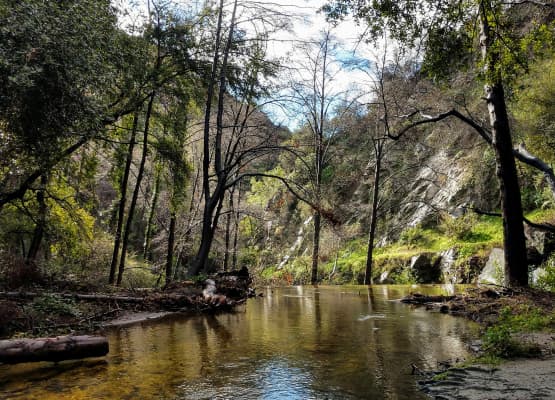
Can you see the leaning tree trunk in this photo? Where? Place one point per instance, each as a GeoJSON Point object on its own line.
{"type": "Point", "coordinates": [151, 213]}
{"type": "Point", "coordinates": [123, 199]}
{"type": "Point", "coordinates": [213, 201]}
{"type": "Point", "coordinates": [514, 242]}
{"type": "Point", "coordinates": [206, 239]}
{"type": "Point", "coordinates": [132, 206]}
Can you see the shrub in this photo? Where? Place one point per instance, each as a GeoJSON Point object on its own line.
{"type": "Point", "coordinates": [499, 339]}
{"type": "Point", "coordinates": [458, 228]}
{"type": "Point", "coordinates": [546, 280]}
{"type": "Point", "coordinates": [54, 304]}
{"type": "Point", "coordinates": [412, 236]}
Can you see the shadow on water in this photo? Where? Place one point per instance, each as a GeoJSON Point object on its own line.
{"type": "Point", "coordinates": [294, 343]}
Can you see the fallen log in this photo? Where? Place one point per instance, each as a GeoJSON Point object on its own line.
{"type": "Point", "coordinates": [77, 296]}
{"type": "Point", "coordinates": [418, 298]}
{"type": "Point", "coordinates": [60, 348]}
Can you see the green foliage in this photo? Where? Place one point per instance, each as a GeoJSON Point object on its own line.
{"type": "Point", "coordinates": [57, 61]}
{"type": "Point", "coordinates": [546, 279]}
{"type": "Point", "coordinates": [266, 192]}
{"type": "Point", "coordinates": [460, 228]}
{"type": "Point", "coordinates": [499, 340]}
{"type": "Point", "coordinates": [54, 304]}
{"type": "Point", "coordinates": [138, 275]}
{"type": "Point", "coordinates": [534, 109]}
{"type": "Point", "coordinates": [412, 236]}
{"type": "Point", "coordinates": [447, 51]}
{"type": "Point", "coordinates": [403, 276]}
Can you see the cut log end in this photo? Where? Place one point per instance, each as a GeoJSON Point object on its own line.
{"type": "Point", "coordinates": [60, 348]}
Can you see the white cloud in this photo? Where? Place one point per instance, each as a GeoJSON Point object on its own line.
{"type": "Point", "coordinates": [307, 25]}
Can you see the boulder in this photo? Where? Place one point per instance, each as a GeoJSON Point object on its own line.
{"type": "Point", "coordinates": [426, 268]}
{"type": "Point", "coordinates": [384, 278]}
{"type": "Point", "coordinates": [472, 269]}
{"type": "Point", "coordinates": [543, 242]}
{"type": "Point", "coordinates": [494, 271]}
{"type": "Point", "coordinates": [533, 256]}
{"type": "Point", "coordinates": [447, 265]}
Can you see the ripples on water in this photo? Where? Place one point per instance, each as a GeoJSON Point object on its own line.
{"type": "Point", "coordinates": [294, 343]}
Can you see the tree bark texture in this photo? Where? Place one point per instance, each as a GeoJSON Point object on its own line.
{"type": "Point", "coordinates": [171, 245]}
{"type": "Point", "coordinates": [213, 200]}
{"type": "Point", "coordinates": [151, 213]}
{"type": "Point", "coordinates": [514, 242]}
{"type": "Point", "coordinates": [316, 247]}
{"type": "Point", "coordinates": [40, 226]}
{"type": "Point", "coordinates": [378, 148]}
{"type": "Point", "coordinates": [236, 219]}
{"type": "Point", "coordinates": [52, 349]}
{"type": "Point", "coordinates": [123, 199]}
{"type": "Point", "coordinates": [132, 206]}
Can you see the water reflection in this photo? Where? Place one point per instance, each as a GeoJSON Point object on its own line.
{"type": "Point", "coordinates": [294, 343]}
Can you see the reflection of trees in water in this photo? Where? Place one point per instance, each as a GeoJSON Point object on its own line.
{"type": "Point", "coordinates": [222, 333]}
{"type": "Point", "coordinates": [322, 336]}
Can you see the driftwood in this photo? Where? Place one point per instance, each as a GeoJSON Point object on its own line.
{"type": "Point", "coordinates": [60, 348]}
{"type": "Point", "coordinates": [417, 298]}
{"type": "Point", "coordinates": [169, 301]}
{"type": "Point", "coordinates": [77, 296]}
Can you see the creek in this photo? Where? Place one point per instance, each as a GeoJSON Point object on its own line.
{"type": "Point", "coordinates": [340, 342]}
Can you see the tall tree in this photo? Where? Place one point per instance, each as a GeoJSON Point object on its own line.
{"type": "Point", "coordinates": [409, 21]}
{"type": "Point", "coordinates": [62, 68]}
{"type": "Point", "coordinates": [316, 95]}
{"type": "Point", "coordinates": [238, 136]}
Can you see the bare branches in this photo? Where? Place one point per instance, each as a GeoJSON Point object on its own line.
{"type": "Point", "coordinates": [534, 2]}
{"type": "Point", "coordinates": [519, 152]}
{"type": "Point", "coordinates": [546, 227]}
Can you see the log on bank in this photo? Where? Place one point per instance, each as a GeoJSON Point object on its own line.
{"type": "Point", "coordinates": [14, 351]}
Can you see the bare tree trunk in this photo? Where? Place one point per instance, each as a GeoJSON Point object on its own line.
{"type": "Point", "coordinates": [132, 206]}
{"type": "Point", "coordinates": [228, 230]}
{"type": "Point", "coordinates": [204, 248]}
{"type": "Point", "coordinates": [319, 115]}
{"type": "Point", "coordinates": [213, 201]}
{"type": "Point", "coordinates": [123, 199]}
{"type": "Point", "coordinates": [514, 242]}
{"type": "Point", "coordinates": [38, 233]}
{"type": "Point", "coordinates": [151, 213]}
{"type": "Point", "coordinates": [316, 247]}
{"type": "Point", "coordinates": [378, 151]}
{"type": "Point", "coordinates": [171, 242]}
{"type": "Point", "coordinates": [236, 230]}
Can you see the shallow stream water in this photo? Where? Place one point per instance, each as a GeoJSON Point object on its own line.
{"type": "Point", "coordinates": [340, 342]}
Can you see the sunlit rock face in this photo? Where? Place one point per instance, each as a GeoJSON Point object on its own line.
{"type": "Point", "coordinates": [494, 271]}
